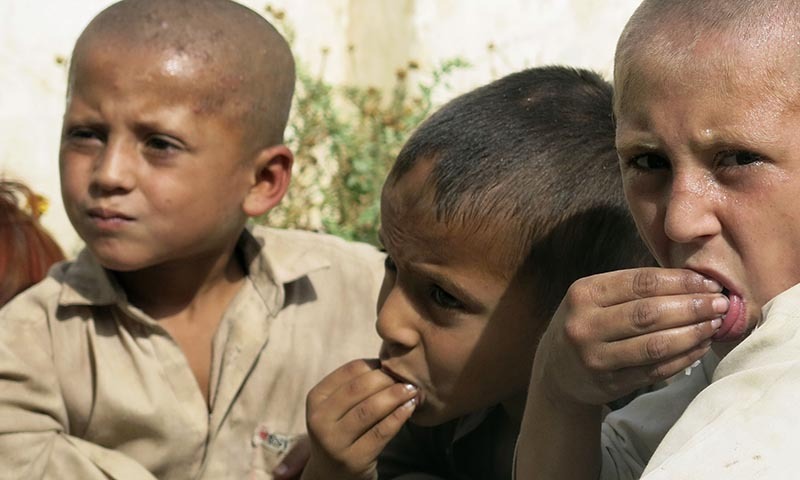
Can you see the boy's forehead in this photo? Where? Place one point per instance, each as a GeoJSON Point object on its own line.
{"type": "Point", "coordinates": [178, 74]}
{"type": "Point", "coordinates": [228, 54]}
{"type": "Point", "coordinates": [756, 64]}
{"type": "Point", "coordinates": [409, 217]}
{"type": "Point", "coordinates": [171, 58]}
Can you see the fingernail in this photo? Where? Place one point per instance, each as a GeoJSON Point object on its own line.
{"type": "Point", "coordinates": [706, 344]}
{"type": "Point", "coordinates": [410, 387]}
{"type": "Point", "coordinates": [712, 285]}
{"type": "Point", "coordinates": [720, 304]}
{"type": "Point", "coordinates": [411, 403]}
{"type": "Point", "coordinates": [715, 323]}
{"type": "Point", "coordinates": [281, 469]}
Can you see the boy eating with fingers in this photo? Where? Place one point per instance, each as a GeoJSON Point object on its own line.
{"type": "Point", "coordinates": [180, 343]}
{"type": "Point", "coordinates": [707, 133]}
{"type": "Point", "coordinates": [495, 205]}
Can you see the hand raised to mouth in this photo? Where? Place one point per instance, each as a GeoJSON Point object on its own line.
{"type": "Point", "coordinates": [351, 415]}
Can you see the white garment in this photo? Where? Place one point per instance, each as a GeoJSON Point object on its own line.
{"type": "Point", "coordinates": [746, 424]}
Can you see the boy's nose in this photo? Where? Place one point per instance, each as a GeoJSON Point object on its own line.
{"type": "Point", "coordinates": [690, 212]}
{"type": "Point", "coordinates": [114, 168]}
{"type": "Point", "coordinates": [397, 322]}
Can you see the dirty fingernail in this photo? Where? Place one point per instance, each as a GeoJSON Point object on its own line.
{"type": "Point", "coordinates": [720, 304]}
{"type": "Point", "coordinates": [712, 285]}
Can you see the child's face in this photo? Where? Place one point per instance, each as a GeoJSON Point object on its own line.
{"type": "Point", "coordinates": [151, 171]}
{"type": "Point", "coordinates": [711, 167]}
{"type": "Point", "coordinates": [453, 321]}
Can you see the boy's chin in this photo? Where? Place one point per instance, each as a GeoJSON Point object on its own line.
{"type": "Point", "coordinates": [121, 265]}
{"type": "Point", "coordinates": [427, 416]}
{"type": "Point", "coordinates": [114, 263]}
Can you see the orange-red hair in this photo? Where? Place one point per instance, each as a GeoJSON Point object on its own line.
{"type": "Point", "coordinates": [26, 250]}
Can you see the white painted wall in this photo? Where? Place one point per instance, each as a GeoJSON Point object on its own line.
{"type": "Point", "coordinates": [385, 34]}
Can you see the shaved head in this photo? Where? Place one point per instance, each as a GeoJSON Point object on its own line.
{"type": "Point", "coordinates": [665, 35]}
{"type": "Point", "coordinates": [243, 68]}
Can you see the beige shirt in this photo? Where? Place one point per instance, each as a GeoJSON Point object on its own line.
{"type": "Point", "coordinates": [91, 387]}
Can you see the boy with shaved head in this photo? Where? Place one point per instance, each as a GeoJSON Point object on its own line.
{"type": "Point", "coordinates": [708, 135]}
{"type": "Point", "coordinates": [179, 344]}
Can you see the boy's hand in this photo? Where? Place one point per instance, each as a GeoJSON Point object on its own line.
{"type": "Point", "coordinates": [352, 414]}
{"type": "Point", "coordinates": [295, 461]}
{"type": "Point", "coordinates": [619, 331]}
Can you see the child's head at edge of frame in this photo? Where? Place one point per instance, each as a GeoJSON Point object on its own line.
{"type": "Point", "coordinates": [495, 205]}
{"type": "Point", "coordinates": [26, 249]}
{"type": "Point", "coordinates": [708, 125]}
{"type": "Point", "coordinates": [173, 130]}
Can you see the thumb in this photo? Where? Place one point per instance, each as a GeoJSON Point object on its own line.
{"type": "Point", "coordinates": [293, 463]}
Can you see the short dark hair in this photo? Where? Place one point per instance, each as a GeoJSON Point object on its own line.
{"type": "Point", "coordinates": [532, 155]}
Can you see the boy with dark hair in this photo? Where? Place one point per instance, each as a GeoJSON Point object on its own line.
{"type": "Point", "coordinates": [495, 205]}
{"type": "Point", "coordinates": [179, 344]}
{"type": "Point", "coordinates": [707, 133]}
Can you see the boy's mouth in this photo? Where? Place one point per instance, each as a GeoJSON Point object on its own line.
{"type": "Point", "coordinates": [734, 321]}
{"type": "Point", "coordinates": [107, 214]}
{"type": "Point", "coordinates": [107, 219]}
{"type": "Point", "coordinates": [400, 379]}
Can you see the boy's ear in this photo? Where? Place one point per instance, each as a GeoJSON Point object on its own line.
{"type": "Point", "coordinates": [272, 171]}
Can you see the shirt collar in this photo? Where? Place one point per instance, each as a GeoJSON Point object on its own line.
{"type": "Point", "coordinates": [86, 282]}
{"type": "Point", "coordinates": [272, 262]}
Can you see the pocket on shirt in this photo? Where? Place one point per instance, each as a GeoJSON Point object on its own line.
{"type": "Point", "coordinates": [269, 448]}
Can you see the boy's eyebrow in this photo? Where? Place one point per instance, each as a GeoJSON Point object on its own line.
{"type": "Point", "coordinates": [638, 139]}
{"type": "Point", "coordinates": [450, 286]}
{"type": "Point", "coordinates": [146, 126]}
{"type": "Point", "coordinates": [444, 281]}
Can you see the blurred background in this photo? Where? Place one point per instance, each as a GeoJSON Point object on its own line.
{"type": "Point", "coordinates": [369, 71]}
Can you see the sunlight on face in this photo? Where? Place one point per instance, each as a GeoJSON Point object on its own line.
{"type": "Point", "coordinates": [141, 169]}
{"type": "Point", "coordinates": [711, 168]}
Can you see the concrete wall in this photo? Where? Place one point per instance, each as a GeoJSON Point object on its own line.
{"type": "Point", "coordinates": [364, 42]}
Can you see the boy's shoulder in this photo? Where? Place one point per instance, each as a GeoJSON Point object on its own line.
{"type": "Point", "coordinates": [39, 300]}
{"type": "Point", "coordinates": [286, 247]}
{"type": "Point", "coordinates": [79, 282]}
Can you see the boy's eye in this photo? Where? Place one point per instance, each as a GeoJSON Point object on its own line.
{"type": "Point", "coordinates": [737, 158]}
{"type": "Point", "coordinates": [444, 299]}
{"type": "Point", "coordinates": [82, 134]}
{"type": "Point", "coordinates": [649, 161]}
{"type": "Point", "coordinates": [161, 144]}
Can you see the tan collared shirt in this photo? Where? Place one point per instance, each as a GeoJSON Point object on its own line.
{"type": "Point", "coordinates": [91, 387]}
